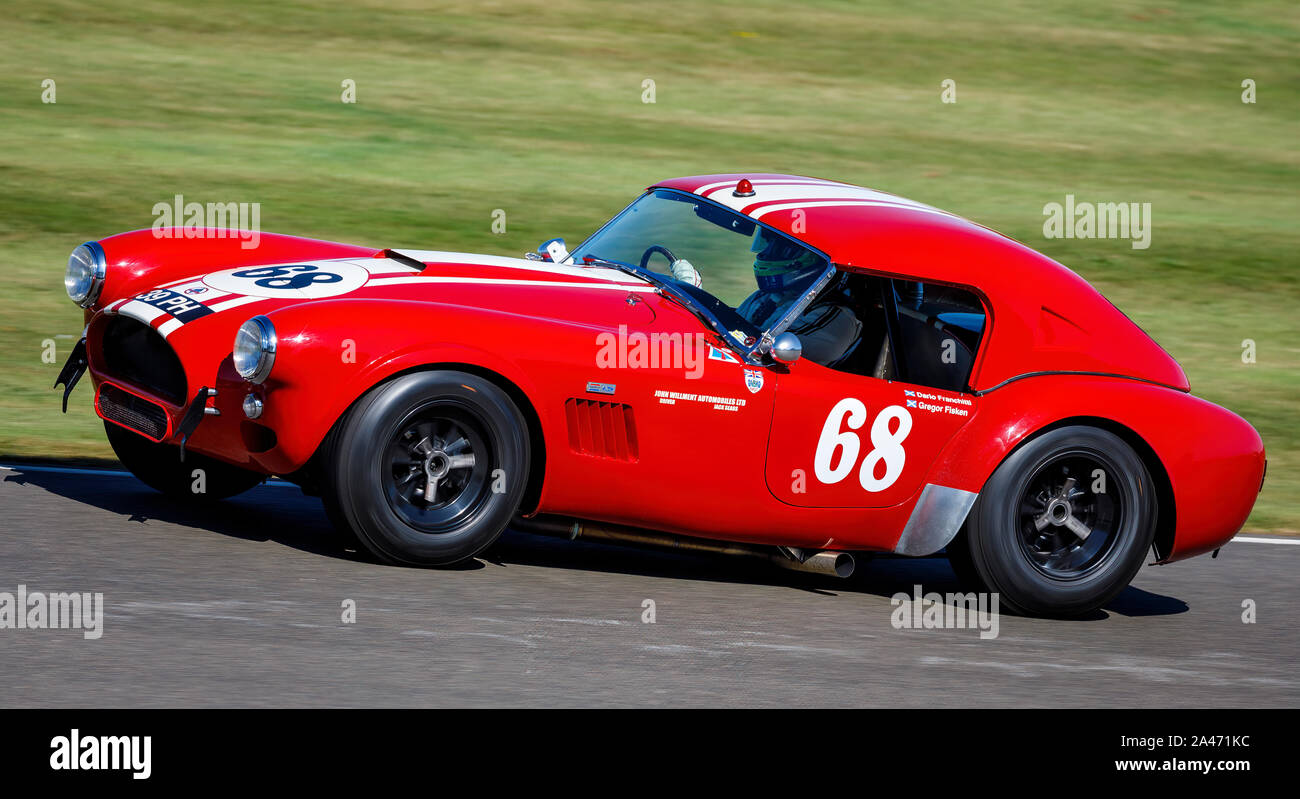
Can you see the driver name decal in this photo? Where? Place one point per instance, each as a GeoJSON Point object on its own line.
{"type": "Point", "coordinates": [925, 401]}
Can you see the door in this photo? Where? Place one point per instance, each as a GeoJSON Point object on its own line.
{"type": "Point", "coordinates": [842, 439]}
{"type": "Point", "coordinates": [846, 441]}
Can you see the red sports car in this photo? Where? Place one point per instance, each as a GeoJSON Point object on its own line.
{"type": "Point", "coordinates": [774, 366]}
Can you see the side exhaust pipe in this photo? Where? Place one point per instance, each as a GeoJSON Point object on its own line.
{"type": "Point", "coordinates": [830, 564]}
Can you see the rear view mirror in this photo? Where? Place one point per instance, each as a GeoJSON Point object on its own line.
{"type": "Point", "coordinates": [550, 250]}
{"type": "Point", "coordinates": [787, 348]}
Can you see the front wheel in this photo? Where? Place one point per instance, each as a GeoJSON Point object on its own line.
{"type": "Point", "coordinates": [1063, 525]}
{"type": "Point", "coordinates": [429, 468]}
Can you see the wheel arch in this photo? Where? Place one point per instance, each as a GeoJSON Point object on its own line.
{"type": "Point", "coordinates": [309, 475]}
{"type": "Point", "coordinates": [1166, 508]}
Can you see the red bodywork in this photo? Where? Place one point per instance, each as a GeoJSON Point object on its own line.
{"type": "Point", "coordinates": [707, 455]}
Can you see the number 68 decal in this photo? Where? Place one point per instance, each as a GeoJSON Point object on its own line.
{"type": "Point", "coordinates": [887, 446]}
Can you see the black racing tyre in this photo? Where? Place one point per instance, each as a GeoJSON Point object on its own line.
{"type": "Point", "coordinates": [159, 466]}
{"type": "Point", "coordinates": [428, 468]}
{"type": "Point", "coordinates": [1063, 525]}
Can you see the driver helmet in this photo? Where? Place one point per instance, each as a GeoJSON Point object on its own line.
{"type": "Point", "coordinates": [781, 263]}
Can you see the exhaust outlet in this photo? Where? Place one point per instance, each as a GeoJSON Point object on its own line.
{"type": "Point", "coordinates": [830, 564]}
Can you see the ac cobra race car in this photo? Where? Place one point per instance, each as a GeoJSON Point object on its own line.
{"type": "Point", "coordinates": [772, 366]}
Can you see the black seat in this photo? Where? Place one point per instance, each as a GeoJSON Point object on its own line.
{"type": "Point", "coordinates": [923, 342]}
{"type": "Point", "coordinates": [862, 294]}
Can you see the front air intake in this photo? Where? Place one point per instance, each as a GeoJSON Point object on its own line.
{"type": "Point", "coordinates": [133, 412]}
{"type": "Point", "coordinates": [137, 355]}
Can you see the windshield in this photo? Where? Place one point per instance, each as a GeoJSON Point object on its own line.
{"type": "Point", "coordinates": [750, 275]}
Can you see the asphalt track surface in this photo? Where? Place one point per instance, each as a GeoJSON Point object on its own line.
{"type": "Point", "coordinates": [240, 605]}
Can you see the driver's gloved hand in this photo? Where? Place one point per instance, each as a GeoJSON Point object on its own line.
{"type": "Point", "coordinates": [683, 272]}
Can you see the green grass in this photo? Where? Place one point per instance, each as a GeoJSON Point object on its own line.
{"type": "Point", "coordinates": [535, 108]}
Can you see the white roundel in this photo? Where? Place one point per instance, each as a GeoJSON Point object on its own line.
{"type": "Point", "coordinates": [307, 280]}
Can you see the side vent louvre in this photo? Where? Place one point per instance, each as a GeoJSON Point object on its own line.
{"type": "Point", "coordinates": [602, 429]}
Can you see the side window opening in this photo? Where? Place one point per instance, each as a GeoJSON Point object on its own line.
{"type": "Point", "coordinates": [935, 332]}
{"type": "Point", "coordinates": [863, 295]}
{"type": "Point", "coordinates": [922, 333]}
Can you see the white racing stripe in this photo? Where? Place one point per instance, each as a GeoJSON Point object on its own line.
{"type": "Point", "coordinates": [604, 278]}
{"type": "Point", "coordinates": [546, 267]}
{"type": "Point", "coordinates": [169, 327]}
{"type": "Point", "coordinates": [808, 193]}
{"type": "Point", "coordinates": [709, 188]}
{"type": "Point", "coordinates": [212, 297]}
{"type": "Point", "coordinates": [375, 266]}
{"type": "Point", "coordinates": [847, 203]}
{"type": "Point", "coordinates": [142, 311]}
{"type": "Point", "coordinates": [172, 325]}
{"type": "Point", "coordinates": [763, 194]}
{"type": "Point", "coordinates": [235, 303]}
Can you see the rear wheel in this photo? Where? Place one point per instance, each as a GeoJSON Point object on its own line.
{"type": "Point", "coordinates": [428, 469]}
{"type": "Point", "coordinates": [1062, 526]}
{"type": "Point", "coordinates": [159, 466]}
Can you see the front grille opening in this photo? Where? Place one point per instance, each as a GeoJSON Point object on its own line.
{"type": "Point", "coordinates": [128, 410]}
{"type": "Point", "coordinates": [136, 354]}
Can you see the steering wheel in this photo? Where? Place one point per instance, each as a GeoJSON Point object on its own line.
{"type": "Point", "coordinates": [655, 248]}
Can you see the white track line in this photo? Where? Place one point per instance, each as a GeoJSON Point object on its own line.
{"type": "Point", "coordinates": [21, 467]}
{"type": "Point", "coordinates": [1249, 540]}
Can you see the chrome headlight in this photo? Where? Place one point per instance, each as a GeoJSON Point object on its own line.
{"type": "Point", "coordinates": [85, 276]}
{"type": "Point", "coordinates": [254, 352]}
